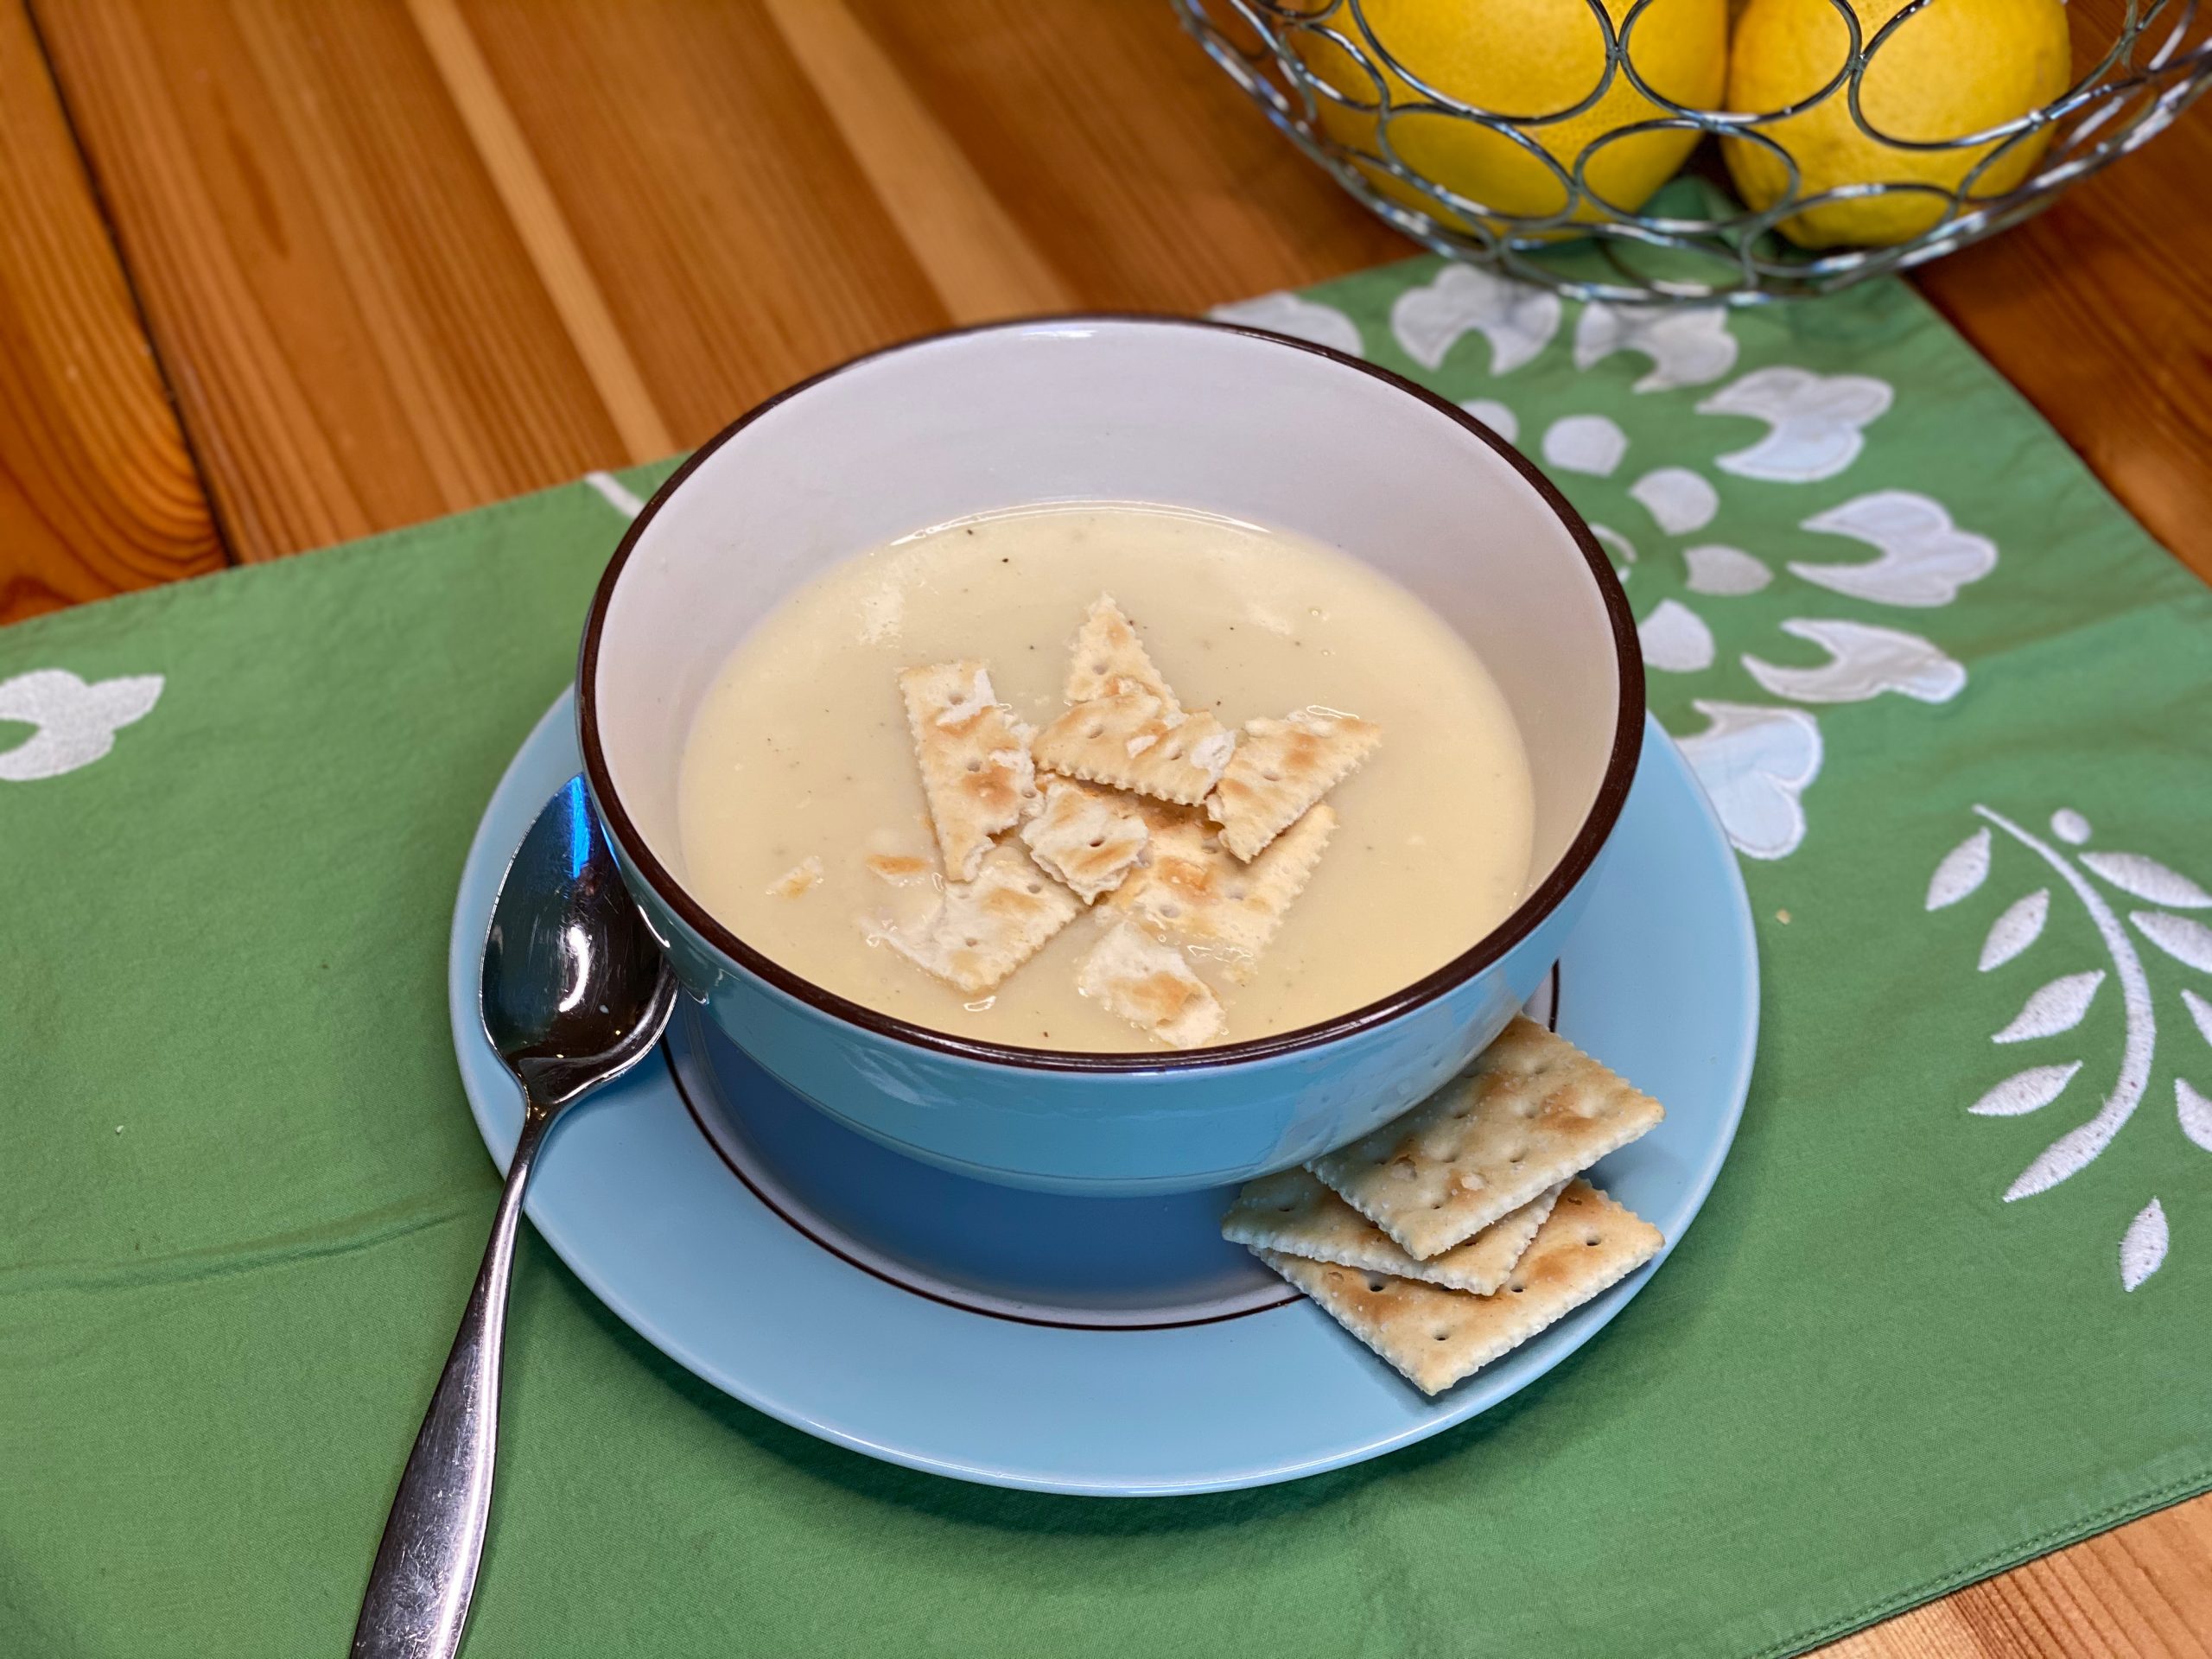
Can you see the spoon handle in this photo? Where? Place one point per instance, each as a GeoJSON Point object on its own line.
{"type": "Point", "coordinates": [417, 1604]}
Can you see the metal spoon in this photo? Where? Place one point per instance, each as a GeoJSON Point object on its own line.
{"type": "Point", "coordinates": [575, 992]}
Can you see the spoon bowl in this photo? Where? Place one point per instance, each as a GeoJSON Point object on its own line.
{"type": "Point", "coordinates": [575, 989]}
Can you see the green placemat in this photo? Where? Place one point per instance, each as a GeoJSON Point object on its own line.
{"type": "Point", "coordinates": [1953, 705]}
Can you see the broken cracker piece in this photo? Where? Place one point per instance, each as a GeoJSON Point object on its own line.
{"type": "Point", "coordinates": [1137, 742]}
{"type": "Point", "coordinates": [1190, 887]}
{"type": "Point", "coordinates": [979, 932]}
{"type": "Point", "coordinates": [1088, 837]}
{"type": "Point", "coordinates": [1151, 987]}
{"type": "Point", "coordinates": [1280, 768]}
{"type": "Point", "coordinates": [1293, 1214]}
{"type": "Point", "coordinates": [1110, 661]}
{"type": "Point", "coordinates": [975, 759]}
{"type": "Point", "coordinates": [798, 879]}
{"type": "Point", "coordinates": [1435, 1336]}
{"type": "Point", "coordinates": [1531, 1110]}
{"type": "Point", "coordinates": [900, 869]}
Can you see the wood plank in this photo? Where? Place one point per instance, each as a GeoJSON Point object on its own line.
{"type": "Point", "coordinates": [537, 221]}
{"type": "Point", "coordinates": [977, 258]}
{"type": "Point", "coordinates": [358, 334]}
{"type": "Point", "coordinates": [97, 494]}
{"type": "Point", "coordinates": [1130, 163]}
{"type": "Point", "coordinates": [2144, 1590]}
{"type": "Point", "coordinates": [739, 244]}
{"type": "Point", "coordinates": [2100, 311]}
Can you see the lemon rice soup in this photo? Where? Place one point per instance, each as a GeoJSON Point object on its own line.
{"type": "Point", "coordinates": [1270, 787]}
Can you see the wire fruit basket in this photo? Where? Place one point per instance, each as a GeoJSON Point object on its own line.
{"type": "Point", "coordinates": [1325, 76]}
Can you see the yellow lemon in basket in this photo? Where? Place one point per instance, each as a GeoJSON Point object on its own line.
{"type": "Point", "coordinates": [1519, 59]}
{"type": "Point", "coordinates": [1955, 68]}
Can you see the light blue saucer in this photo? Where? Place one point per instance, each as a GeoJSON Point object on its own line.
{"type": "Point", "coordinates": [1106, 1346]}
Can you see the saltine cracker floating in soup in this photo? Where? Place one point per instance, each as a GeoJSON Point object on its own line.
{"type": "Point", "coordinates": [1042, 758]}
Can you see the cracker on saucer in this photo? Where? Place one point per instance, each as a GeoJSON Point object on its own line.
{"type": "Point", "coordinates": [1532, 1110]}
{"type": "Point", "coordinates": [1089, 838]}
{"type": "Point", "coordinates": [1292, 1214]}
{"type": "Point", "coordinates": [798, 879]}
{"type": "Point", "coordinates": [1109, 660]}
{"type": "Point", "coordinates": [977, 932]}
{"type": "Point", "coordinates": [1434, 1336]}
{"type": "Point", "coordinates": [1135, 741]}
{"type": "Point", "coordinates": [1151, 986]}
{"type": "Point", "coordinates": [1193, 889]}
{"type": "Point", "coordinates": [1280, 768]}
{"type": "Point", "coordinates": [974, 758]}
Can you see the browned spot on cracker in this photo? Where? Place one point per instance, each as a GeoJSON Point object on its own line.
{"type": "Point", "coordinates": [897, 867]}
{"type": "Point", "coordinates": [1109, 660]}
{"type": "Point", "coordinates": [798, 879]}
{"type": "Point", "coordinates": [977, 932]}
{"type": "Point", "coordinates": [1089, 838]}
{"type": "Point", "coordinates": [1137, 742]}
{"type": "Point", "coordinates": [1532, 1110]}
{"type": "Point", "coordinates": [1191, 888]}
{"type": "Point", "coordinates": [1280, 768]}
{"type": "Point", "coordinates": [1151, 986]}
{"type": "Point", "coordinates": [974, 754]}
{"type": "Point", "coordinates": [1435, 1336]}
{"type": "Point", "coordinates": [1292, 1212]}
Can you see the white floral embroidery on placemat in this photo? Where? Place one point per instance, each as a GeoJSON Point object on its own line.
{"type": "Point", "coordinates": [1755, 761]}
{"type": "Point", "coordinates": [2059, 1005]}
{"type": "Point", "coordinates": [76, 722]}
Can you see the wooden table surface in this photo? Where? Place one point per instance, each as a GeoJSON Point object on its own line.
{"type": "Point", "coordinates": [276, 273]}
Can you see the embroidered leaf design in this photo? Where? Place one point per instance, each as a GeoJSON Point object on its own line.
{"type": "Point", "coordinates": [1965, 868]}
{"type": "Point", "coordinates": [2070, 1154]}
{"type": "Point", "coordinates": [2143, 1247]}
{"type": "Point", "coordinates": [76, 722]}
{"type": "Point", "coordinates": [1518, 319]}
{"type": "Point", "coordinates": [2194, 1113]}
{"type": "Point", "coordinates": [2146, 878]}
{"type": "Point", "coordinates": [2016, 930]}
{"type": "Point", "coordinates": [2069, 826]}
{"type": "Point", "coordinates": [1674, 638]}
{"type": "Point", "coordinates": [2201, 1011]}
{"type": "Point", "coordinates": [2057, 1007]}
{"type": "Point", "coordinates": [2185, 941]}
{"type": "Point", "coordinates": [1865, 662]}
{"type": "Point", "coordinates": [1725, 571]}
{"type": "Point", "coordinates": [2024, 1092]}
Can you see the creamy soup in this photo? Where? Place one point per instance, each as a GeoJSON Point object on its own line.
{"type": "Point", "coordinates": [806, 830]}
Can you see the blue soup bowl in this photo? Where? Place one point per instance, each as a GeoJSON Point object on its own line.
{"type": "Point", "coordinates": [1235, 420]}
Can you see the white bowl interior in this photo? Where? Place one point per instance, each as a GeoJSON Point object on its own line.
{"type": "Point", "coordinates": [1100, 409]}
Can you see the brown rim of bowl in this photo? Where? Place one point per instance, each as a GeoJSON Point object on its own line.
{"type": "Point", "coordinates": [1572, 865]}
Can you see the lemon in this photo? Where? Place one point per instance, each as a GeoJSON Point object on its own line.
{"type": "Point", "coordinates": [1960, 67]}
{"type": "Point", "coordinates": [1519, 59]}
